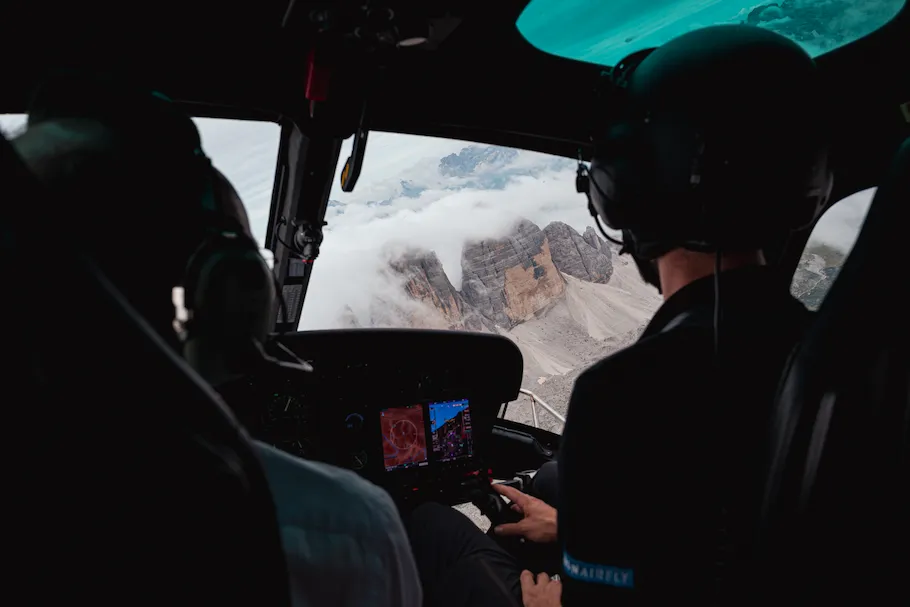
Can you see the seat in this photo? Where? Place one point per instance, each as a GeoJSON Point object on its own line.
{"type": "Point", "coordinates": [837, 501]}
{"type": "Point", "coordinates": [127, 480]}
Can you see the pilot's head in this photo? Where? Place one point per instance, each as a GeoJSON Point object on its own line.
{"type": "Point", "coordinates": [714, 142]}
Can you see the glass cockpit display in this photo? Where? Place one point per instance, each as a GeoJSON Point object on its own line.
{"type": "Point", "coordinates": [450, 430]}
{"type": "Point", "coordinates": [415, 435]}
{"type": "Point", "coordinates": [404, 437]}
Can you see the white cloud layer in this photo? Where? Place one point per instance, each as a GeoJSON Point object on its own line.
{"type": "Point", "coordinates": [403, 200]}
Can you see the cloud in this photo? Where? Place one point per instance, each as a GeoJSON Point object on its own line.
{"type": "Point", "coordinates": [433, 211]}
{"type": "Point", "coordinates": [247, 153]}
{"type": "Point", "coordinates": [11, 124]}
{"type": "Point", "coordinates": [840, 225]}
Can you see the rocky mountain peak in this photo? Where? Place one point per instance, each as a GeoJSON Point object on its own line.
{"type": "Point", "coordinates": [471, 158]}
{"type": "Point", "coordinates": [426, 281]}
{"type": "Point", "coordinates": [508, 280]}
{"type": "Point", "coordinates": [586, 257]}
{"type": "Point", "coordinates": [819, 266]}
{"type": "Point", "coordinates": [513, 278]}
{"type": "Point", "coordinates": [595, 241]}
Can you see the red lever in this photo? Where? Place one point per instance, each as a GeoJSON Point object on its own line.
{"type": "Point", "coordinates": [317, 79]}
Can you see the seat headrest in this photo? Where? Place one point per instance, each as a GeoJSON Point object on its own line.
{"type": "Point", "coordinates": [125, 165]}
{"type": "Point", "coordinates": [124, 106]}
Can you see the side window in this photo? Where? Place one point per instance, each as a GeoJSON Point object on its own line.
{"type": "Point", "coordinates": [246, 151]}
{"type": "Point", "coordinates": [11, 124]}
{"type": "Point", "coordinates": [829, 244]}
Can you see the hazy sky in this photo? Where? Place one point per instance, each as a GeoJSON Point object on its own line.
{"type": "Point", "coordinates": [362, 235]}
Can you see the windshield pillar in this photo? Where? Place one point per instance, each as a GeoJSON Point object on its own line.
{"type": "Point", "coordinates": [306, 169]}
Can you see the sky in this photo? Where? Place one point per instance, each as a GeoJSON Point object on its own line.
{"type": "Point", "coordinates": [446, 212]}
{"type": "Point", "coordinates": [440, 414]}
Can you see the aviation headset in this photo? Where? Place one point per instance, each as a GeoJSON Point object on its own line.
{"type": "Point", "coordinates": [697, 151]}
{"type": "Point", "coordinates": [229, 290]}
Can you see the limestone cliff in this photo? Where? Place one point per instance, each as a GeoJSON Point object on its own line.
{"type": "Point", "coordinates": [586, 257]}
{"type": "Point", "coordinates": [426, 281]}
{"type": "Point", "coordinates": [511, 279]}
{"type": "Point", "coordinates": [505, 281]}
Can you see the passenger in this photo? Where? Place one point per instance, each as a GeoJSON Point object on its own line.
{"type": "Point", "coordinates": [344, 541]}
{"type": "Point", "coordinates": [665, 433]}
{"type": "Point", "coordinates": [343, 536]}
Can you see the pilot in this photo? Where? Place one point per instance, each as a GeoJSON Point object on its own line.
{"type": "Point", "coordinates": [720, 156]}
{"type": "Point", "coordinates": [344, 541]}
{"type": "Point", "coordinates": [714, 151]}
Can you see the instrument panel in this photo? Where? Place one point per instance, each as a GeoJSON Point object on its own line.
{"type": "Point", "coordinates": [411, 410]}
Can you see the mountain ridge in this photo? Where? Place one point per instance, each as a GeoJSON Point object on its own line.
{"type": "Point", "coordinates": [509, 280]}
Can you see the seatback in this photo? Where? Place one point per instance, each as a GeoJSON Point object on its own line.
{"type": "Point", "coordinates": [837, 501]}
{"type": "Point", "coordinates": [128, 481]}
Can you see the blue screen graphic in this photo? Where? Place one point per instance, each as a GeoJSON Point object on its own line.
{"type": "Point", "coordinates": [450, 430]}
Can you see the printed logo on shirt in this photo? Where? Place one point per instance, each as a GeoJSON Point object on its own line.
{"type": "Point", "coordinates": [597, 574]}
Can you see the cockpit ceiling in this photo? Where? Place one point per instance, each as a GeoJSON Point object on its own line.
{"type": "Point", "coordinates": [479, 80]}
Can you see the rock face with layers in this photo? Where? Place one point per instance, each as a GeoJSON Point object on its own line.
{"type": "Point", "coordinates": [427, 282]}
{"type": "Point", "coordinates": [815, 274]}
{"type": "Point", "coordinates": [511, 279]}
{"type": "Point", "coordinates": [586, 257]}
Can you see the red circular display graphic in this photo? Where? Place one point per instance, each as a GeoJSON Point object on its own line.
{"type": "Point", "coordinates": [403, 434]}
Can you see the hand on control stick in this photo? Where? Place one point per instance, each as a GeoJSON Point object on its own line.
{"type": "Point", "coordinates": [539, 518]}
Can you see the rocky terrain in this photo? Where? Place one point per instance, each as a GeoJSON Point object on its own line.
{"type": "Point", "coordinates": [816, 273]}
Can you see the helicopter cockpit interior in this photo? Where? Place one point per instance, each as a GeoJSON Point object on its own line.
{"type": "Point", "coordinates": [421, 412]}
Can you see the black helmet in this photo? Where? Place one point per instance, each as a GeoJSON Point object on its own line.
{"type": "Point", "coordinates": [719, 143]}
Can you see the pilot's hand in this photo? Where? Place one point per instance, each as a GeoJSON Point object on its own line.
{"type": "Point", "coordinates": [539, 522]}
{"type": "Point", "coordinates": [545, 592]}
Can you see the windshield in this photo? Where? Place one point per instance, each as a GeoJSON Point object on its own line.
{"type": "Point", "coordinates": [455, 235]}
{"type": "Point", "coordinates": [606, 32]}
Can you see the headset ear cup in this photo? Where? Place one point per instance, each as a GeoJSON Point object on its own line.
{"type": "Point", "coordinates": [611, 182]}
{"type": "Point", "coordinates": [602, 187]}
{"type": "Point", "coordinates": [231, 299]}
{"type": "Point", "coordinates": [230, 289]}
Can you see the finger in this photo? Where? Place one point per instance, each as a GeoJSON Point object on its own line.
{"type": "Point", "coordinates": [515, 507]}
{"type": "Point", "coordinates": [527, 579]}
{"type": "Point", "coordinates": [512, 493]}
{"type": "Point", "coordinates": [511, 529]}
{"type": "Point", "coordinates": [543, 578]}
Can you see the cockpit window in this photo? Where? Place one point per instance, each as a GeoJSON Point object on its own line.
{"type": "Point", "coordinates": [606, 32]}
{"type": "Point", "coordinates": [831, 241]}
{"type": "Point", "coordinates": [245, 151]}
{"type": "Point", "coordinates": [450, 234]}
{"type": "Point", "coordinates": [11, 124]}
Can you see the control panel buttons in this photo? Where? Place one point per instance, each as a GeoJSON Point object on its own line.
{"type": "Point", "coordinates": [353, 422]}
